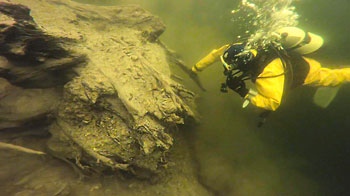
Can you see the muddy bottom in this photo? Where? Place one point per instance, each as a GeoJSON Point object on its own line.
{"type": "Point", "coordinates": [23, 174]}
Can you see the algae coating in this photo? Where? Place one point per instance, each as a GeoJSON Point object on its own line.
{"type": "Point", "coordinates": [119, 107]}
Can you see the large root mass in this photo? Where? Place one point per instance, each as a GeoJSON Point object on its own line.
{"type": "Point", "coordinates": [114, 104]}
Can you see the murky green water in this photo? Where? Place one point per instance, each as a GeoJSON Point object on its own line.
{"type": "Point", "coordinates": [302, 149]}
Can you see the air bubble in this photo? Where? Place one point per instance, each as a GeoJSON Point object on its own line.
{"type": "Point", "coordinates": [264, 17]}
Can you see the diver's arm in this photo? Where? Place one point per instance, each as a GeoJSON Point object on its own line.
{"type": "Point", "coordinates": [321, 76]}
{"type": "Point", "coordinates": [209, 59]}
{"type": "Point", "coordinates": [270, 90]}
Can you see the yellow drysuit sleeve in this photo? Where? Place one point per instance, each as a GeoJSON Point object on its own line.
{"type": "Point", "coordinates": [320, 76]}
{"type": "Point", "coordinates": [209, 59]}
{"type": "Point", "coordinates": [270, 89]}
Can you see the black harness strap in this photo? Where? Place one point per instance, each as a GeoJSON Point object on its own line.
{"type": "Point", "coordinates": [294, 65]}
{"type": "Point", "coordinates": [300, 68]}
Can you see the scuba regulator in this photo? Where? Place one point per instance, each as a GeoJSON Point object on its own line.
{"type": "Point", "coordinates": [236, 62]}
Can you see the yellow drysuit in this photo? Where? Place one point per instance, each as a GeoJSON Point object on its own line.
{"type": "Point", "coordinates": [270, 90]}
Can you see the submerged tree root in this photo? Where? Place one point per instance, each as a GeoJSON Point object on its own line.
{"type": "Point", "coordinates": [20, 148]}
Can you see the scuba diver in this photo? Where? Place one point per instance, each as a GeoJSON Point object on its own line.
{"type": "Point", "coordinates": [274, 70]}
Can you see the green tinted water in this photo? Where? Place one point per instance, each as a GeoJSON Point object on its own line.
{"type": "Point", "coordinates": [302, 149]}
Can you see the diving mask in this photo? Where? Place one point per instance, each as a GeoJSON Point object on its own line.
{"type": "Point", "coordinates": [236, 57]}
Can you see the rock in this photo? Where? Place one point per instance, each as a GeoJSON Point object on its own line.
{"type": "Point", "coordinates": [119, 110]}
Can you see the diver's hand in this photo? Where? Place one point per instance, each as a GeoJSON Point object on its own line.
{"type": "Point", "coordinates": [193, 74]}
{"type": "Point", "coordinates": [237, 85]}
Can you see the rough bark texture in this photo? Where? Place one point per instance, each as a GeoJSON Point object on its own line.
{"type": "Point", "coordinates": [25, 107]}
{"type": "Point", "coordinates": [119, 105]}
{"type": "Point", "coordinates": [30, 57]}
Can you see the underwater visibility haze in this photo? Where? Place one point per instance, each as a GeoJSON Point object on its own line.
{"type": "Point", "coordinates": [302, 149]}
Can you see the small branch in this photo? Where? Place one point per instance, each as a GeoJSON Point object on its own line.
{"type": "Point", "coordinates": [19, 148]}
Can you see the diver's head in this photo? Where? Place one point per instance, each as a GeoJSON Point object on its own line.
{"type": "Point", "coordinates": [237, 57]}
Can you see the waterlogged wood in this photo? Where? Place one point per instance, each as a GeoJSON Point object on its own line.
{"type": "Point", "coordinates": [26, 108]}
{"type": "Point", "coordinates": [29, 56]}
{"type": "Point", "coordinates": [20, 148]}
{"type": "Point", "coordinates": [119, 104]}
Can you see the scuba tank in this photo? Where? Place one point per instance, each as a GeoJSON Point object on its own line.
{"type": "Point", "coordinates": [296, 40]}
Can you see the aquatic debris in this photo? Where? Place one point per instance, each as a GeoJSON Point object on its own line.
{"type": "Point", "coordinates": [20, 148]}
{"type": "Point", "coordinates": [119, 107]}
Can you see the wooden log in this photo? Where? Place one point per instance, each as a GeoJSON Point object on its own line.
{"type": "Point", "coordinates": [120, 109]}
{"type": "Point", "coordinates": [29, 56]}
